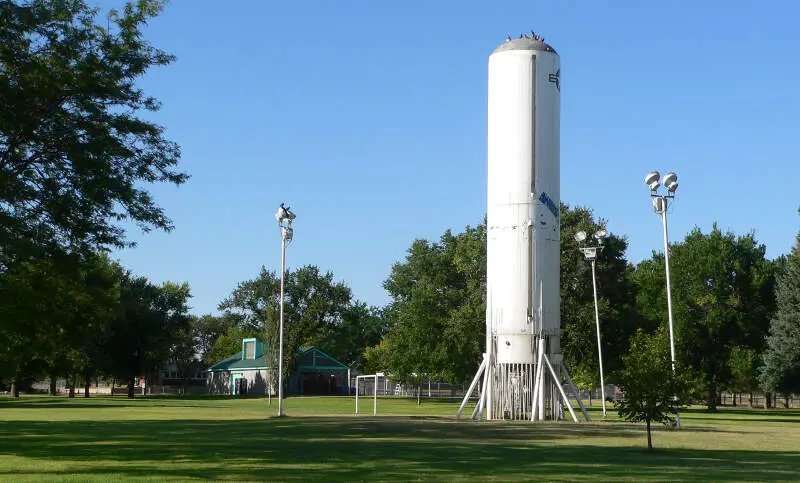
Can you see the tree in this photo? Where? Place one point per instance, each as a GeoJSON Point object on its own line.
{"type": "Point", "coordinates": [31, 299]}
{"type": "Point", "coordinates": [207, 329]}
{"type": "Point", "coordinates": [722, 298]}
{"type": "Point", "coordinates": [95, 298]}
{"type": "Point", "coordinates": [317, 311]}
{"type": "Point", "coordinates": [360, 327]}
{"type": "Point", "coordinates": [149, 321]}
{"type": "Point", "coordinates": [74, 153]}
{"type": "Point", "coordinates": [436, 320]}
{"type": "Point", "coordinates": [317, 305]}
{"type": "Point", "coordinates": [653, 392]}
{"type": "Point", "coordinates": [781, 369]}
{"type": "Point", "coordinates": [183, 353]}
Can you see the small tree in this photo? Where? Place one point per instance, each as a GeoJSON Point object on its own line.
{"type": "Point", "coordinates": [652, 390]}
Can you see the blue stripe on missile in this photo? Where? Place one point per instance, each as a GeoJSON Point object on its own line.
{"type": "Point", "coordinates": [549, 203]}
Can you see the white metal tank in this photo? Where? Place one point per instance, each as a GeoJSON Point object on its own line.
{"type": "Point", "coordinates": [522, 371]}
{"type": "Point", "coordinates": [523, 252]}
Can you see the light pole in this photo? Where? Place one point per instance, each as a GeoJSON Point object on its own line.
{"type": "Point", "coordinates": [590, 251]}
{"type": "Point", "coordinates": [285, 217]}
{"type": "Point", "coordinates": [660, 205]}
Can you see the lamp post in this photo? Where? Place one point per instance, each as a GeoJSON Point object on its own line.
{"type": "Point", "coordinates": [285, 217]}
{"type": "Point", "coordinates": [590, 251]}
{"type": "Point", "coordinates": [660, 205]}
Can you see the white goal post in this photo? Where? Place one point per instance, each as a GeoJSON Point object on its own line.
{"type": "Point", "coordinates": [375, 392]}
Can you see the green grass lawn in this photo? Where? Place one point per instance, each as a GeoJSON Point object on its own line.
{"type": "Point", "coordinates": [45, 439]}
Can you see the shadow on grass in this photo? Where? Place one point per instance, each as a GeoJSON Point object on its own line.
{"type": "Point", "coordinates": [104, 402]}
{"type": "Point", "coordinates": [400, 448]}
{"type": "Point", "coordinates": [190, 401]}
{"type": "Point", "coordinates": [745, 415]}
{"type": "Point", "coordinates": [746, 421]}
{"type": "Point", "coordinates": [744, 411]}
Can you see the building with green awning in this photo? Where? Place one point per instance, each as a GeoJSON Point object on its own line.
{"type": "Point", "coordinates": [315, 373]}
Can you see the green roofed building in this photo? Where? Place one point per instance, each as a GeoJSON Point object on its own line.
{"type": "Point", "coordinates": [248, 372]}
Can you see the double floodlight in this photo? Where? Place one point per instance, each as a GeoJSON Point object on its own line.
{"type": "Point", "coordinates": [670, 181]}
{"type": "Point", "coordinates": [599, 235]}
{"type": "Point", "coordinates": [284, 215]}
{"type": "Point", "coordinates": [591, 250]}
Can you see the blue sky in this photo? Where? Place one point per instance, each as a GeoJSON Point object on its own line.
{"type": "Point", "coordinates": [369, 119]}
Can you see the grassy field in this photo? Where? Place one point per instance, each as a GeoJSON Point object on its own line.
{"type": "Point", "coordinates": [96, 439]}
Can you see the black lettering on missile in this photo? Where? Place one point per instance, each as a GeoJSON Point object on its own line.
{"type": "Point", "coordinates": [556, 79]}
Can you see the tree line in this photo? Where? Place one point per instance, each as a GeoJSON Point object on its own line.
{"type": "Point", "coordinates": [736, 313]}
{"type": "Point", "coordinates": [89, 319]}
{"type": "Point", "coordinates": [83, 320]}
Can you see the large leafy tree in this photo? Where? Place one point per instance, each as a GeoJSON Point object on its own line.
{"type": "Point", "coordinates": [317, 311]}
{"type": "Point", "coordinates": [150, 320]}
{"type": "Point", "coordinates": [722, 299]}
{"type": "Point", "coordinates": [183, 353]}
{"type": "Point", "coordinates": [80, 332]}
{"type": "Point", "coordinates": [436, 317]}
{"type": "Point", "coordinates": [781, 369]}
{"type": "Point", "coordinates": [75, 153]}
{"type": "Point", "coordinates": [360, 327]}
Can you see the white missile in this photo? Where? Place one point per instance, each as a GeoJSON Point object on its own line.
{"type": "Point", "coordinates": [523, 250]}
{"type": "Point", "coordinates": [523, 195]}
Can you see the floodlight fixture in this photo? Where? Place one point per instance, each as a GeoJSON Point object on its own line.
{"type": "Point", "coordinates": [651, 180]}
{"type": "Point", "coordinates": [600, 234]}
{"type": "Point", "coordinates": [669, 179]}
{"type": "Point", "coordinates": [672, 186]}
{"type": "Point", "coordinates": [284, 215]}
{"type": "Point", "coordinates": [580, 237]}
